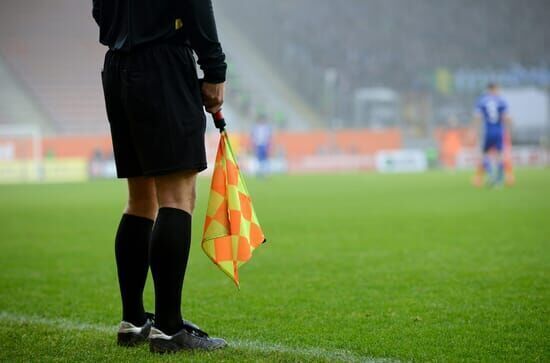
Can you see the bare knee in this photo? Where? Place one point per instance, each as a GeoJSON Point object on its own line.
{"type": "Point", "coordinates": [142, 199]}
{"type": "Point", "coordinates": [177, 191]}
{"type": "Point", "coordinates": [185, 201]}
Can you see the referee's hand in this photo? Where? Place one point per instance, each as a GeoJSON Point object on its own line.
{"type": "Point", "coordinates": [212, 96]}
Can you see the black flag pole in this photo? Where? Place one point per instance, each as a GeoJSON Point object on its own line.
{"type": "Point", "coordinates": [219, 121]}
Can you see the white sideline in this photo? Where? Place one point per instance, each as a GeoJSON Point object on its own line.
{"type": "Point", "coordinates": [319, 353]}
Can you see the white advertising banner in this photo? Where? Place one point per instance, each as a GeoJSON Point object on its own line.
{"type": "Point", "coordinates": [52, 171]}
{"type": "Point", "coordinates": [401, 161]}
{"type": "Point", "coordinates": [332, 163]}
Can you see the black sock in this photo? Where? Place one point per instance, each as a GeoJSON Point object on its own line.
{"type": "Point", "coordinates": [132, 260]}
{"type": "Point", "coordinates": [168, 256]}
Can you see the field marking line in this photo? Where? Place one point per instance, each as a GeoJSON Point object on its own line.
{"type": "Point", "coordinates": [262, 347]}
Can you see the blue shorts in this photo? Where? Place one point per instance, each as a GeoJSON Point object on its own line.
{"type": "Point", "coordinates": [495, 142]}
{"type": "Point", "coordinates": [262, 152]}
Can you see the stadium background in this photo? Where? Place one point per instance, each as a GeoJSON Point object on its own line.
{"type": "Point", "coordinates": [345, 86]}
{"type": "Point", "coordinates": [359, 266]}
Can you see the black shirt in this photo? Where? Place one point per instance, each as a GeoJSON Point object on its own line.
{"type": "Point", "coordinates": [127, 24]}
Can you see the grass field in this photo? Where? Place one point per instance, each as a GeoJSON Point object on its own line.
{"type": "Point", "coordinates": [358, 267]}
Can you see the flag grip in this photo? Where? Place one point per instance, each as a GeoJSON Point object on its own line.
{"type": "Point", "coordinates": [219, 120]}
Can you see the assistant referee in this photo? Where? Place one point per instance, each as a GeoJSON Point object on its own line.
{"type": "Point", "coordinates": [154, 103]}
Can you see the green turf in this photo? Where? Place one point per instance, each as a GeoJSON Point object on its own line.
{"type": "Point", "coordinates": [410, 267]}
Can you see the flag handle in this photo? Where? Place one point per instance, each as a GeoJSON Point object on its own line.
{"type": "Point", "coordinates": [219, 121]}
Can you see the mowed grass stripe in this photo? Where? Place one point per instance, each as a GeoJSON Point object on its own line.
{"type": "Point", "coordinates": [264, 347]}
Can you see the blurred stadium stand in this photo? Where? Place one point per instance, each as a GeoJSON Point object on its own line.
{"type": "Point", "coordinates": [328, 50]}
{"type": "Point", "coordinates": [51, 49]}
{"type": "Point", "coordinates": [306, 64]}
{"type": "Point", "coordinates": [15, 103]}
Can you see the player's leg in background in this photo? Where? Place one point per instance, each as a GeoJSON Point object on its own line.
{"type": "Point", "coordinates": [484, 164]}
{"type": "Point", "coordinates": [497, 175]}
{"type": "Point", "coordinates": [499, 160]}
{"type": "Point", "coordinates": [132, 247]}
{"type": "Point", "coordinates": [263, 161]}
{"type": "Point", "coordinates": [483, 168]}
{"type": "Point", "coordinates": [170, 244]}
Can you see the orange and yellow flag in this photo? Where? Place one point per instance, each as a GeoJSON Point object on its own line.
{"type": "Point", "coordinates": [231, 229]}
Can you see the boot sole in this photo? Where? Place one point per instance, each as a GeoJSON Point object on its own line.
{"type": "Point", "coordinates": [161, 346]}
{"type": "Point", "coordinates": [130, 339]}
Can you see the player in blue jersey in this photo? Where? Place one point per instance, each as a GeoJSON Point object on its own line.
{"type": "Point", "coordinates": [492, 111]}
{"type": "Point", "coordinates": [261, 142]}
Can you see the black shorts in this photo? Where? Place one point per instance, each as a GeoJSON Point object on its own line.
{"type": "Point", "coordinates": [155, 110]}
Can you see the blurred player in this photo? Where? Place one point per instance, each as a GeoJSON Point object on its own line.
{"type": "Point", "coordinates": [155, 108]}
{"type": "Point", "coordinates": [492, 111]}
{"type": "Point", "coordinates": [261, 142]}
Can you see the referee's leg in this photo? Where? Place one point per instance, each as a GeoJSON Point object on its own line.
{"type": "Point", "coordinates": [170, 244]}
{"type": "Point", "coordinates": [142, 197]}
{"type": "Point", "coordinates": [132, 247]}
{"type": "Point", "coordinates": [177, 190]}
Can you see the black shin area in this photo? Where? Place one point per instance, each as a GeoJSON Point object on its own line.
{"type": "Point", "coordinates": [169, 251]}
{"type": "Point", "coordinates": [132, 259]}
